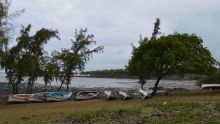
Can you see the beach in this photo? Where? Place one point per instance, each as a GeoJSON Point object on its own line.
{"type": "Point", "coordinates": [189, 107]}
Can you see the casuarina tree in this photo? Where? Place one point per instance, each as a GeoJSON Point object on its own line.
{"type": "Point", "coordinates": [75, 58]}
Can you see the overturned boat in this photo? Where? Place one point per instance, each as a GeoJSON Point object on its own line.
{"type": "Point", "coordinates": [40, 97]}
{"type": "Point", "coordinates": [124, 95]}
{"type": "Point", "coordinates": [19, 98]}
{"type": "Point", "coordinates": [58, 96]}
{"type": "Point", "coordinates": [211, 86]}
{"type": "Point", "coordinates": [109, 94]}
{"type": "Point", "coordinates": [86, 95]}
{"type": "Point", "coordinates": [144, 94]}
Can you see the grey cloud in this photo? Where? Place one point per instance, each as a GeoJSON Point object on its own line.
{"type": "Point", "coordinates": [118, 23]}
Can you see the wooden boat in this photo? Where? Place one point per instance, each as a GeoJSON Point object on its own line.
{"type": "Point", "coordinates": [210, 86]}
{"type": "Point", "coordinates": [86, 95]}
{"type": "Point", "coordinates": [124, 95]}
{"type": "Point", "coordinates": [18, 98]}
{"type": "Point", "coordinates": [58, 96]}
{"type": "Point", "coordinates": [38, 97]}
{"type": "Point", "coordinates": [109, 94]}
{"type": "Point", "coordinates": [144, 94]}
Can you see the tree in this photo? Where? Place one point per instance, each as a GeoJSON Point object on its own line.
{"type": "Point", "coordinates": [75, 58]}
{"type": "Point", "coordinates": [32, 46]}
{"type": "Point", "coordinates": [49, 70]}
{"type": "Point", "coordinates": [173, 54]}
{"type": "Point", "coordinates": [156, 29]}
{"type": "Point", "coordinates": [23, 59]}
{"type": "Point", "coordinates": [8, 58]}
{"type": "Point", "coordinates": [15, 66]}
{"type": "Point", "coordinates": [5, 25]}
{"type": "Point", "coordinates": [136, 63]}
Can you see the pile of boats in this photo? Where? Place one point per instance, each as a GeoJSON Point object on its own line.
{"type": "Point", "coordinates": [40, 97]}
{"type": "Point", "coordinates": [64, 96]}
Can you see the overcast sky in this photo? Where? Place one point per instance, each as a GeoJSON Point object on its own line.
{"type": "Point", "coordinates": [118, 23]}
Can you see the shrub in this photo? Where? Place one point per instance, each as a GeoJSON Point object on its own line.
{"type": "Point", "coordinates": [212, 79]}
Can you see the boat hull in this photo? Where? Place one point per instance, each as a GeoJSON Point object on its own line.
{"type": "Point", "coordinates": [144, 94]}
{"type": "Point", "coordinates": [58, 96]}
{"type": "Point", "coordinates": [211, 86]}
{"type": "Point", "coordinates": [19, 98]}
{"type": "Point", "coordinates": [124, 95]}
{"type": "Point", "coordinates": [109, 94]}
{"type": "Point", "coordinates": [86, 95]}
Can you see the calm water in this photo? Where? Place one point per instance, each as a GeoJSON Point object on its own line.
{"type": "Point", "coordinates": [118, 83]}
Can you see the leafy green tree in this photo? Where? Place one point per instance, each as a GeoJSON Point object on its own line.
{"type": "Point", "coordinates": [5, 26]}
{"type": "Point", "coordinates": [136, 63]}
{"type": "Point", "coordinates": [49, 70]}
{"type": "Point", "coordinates": [172, 54]}
{"type": "Point", "coordinates": [23, 59]}
{"type": "Point", "coordinates": [210, 79]}
{"type": "Point", "coordinates": [15, 69]}
{"type": "Point", "coordinates": [32, 46]}
{"type": "Point", "coordinates": [8, 58]}
{"type": "Point", "coordinates": [75, 58]}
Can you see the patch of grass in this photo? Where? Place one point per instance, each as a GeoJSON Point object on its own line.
{"type": "Point", "coordinates": [201, 108]}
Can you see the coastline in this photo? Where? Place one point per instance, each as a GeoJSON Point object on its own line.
{"type": "Point", "coordinates": [5, 90]}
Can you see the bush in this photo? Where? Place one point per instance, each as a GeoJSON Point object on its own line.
{"type": "Point", "coordinates": [212, 79]}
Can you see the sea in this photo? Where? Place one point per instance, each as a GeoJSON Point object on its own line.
{"type": "Point", "coordinates": [88, 82]}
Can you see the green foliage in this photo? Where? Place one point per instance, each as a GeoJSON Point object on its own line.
{"type": "Point", "coordinates": [23, 59]}
{"type": "Point", "coordinates": [74, 59]}
{"type": "Point", "coordinates": [5, 25]}
{"type": "Point", "coordinates": [210, 79]}
{"type": "Point", "coordinates": [172, 54]}
{"type": "Point", "coordinates": [49, 70]}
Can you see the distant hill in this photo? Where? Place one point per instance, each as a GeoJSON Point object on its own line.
{"type": "Point", "coordinates": [122, 73]}
{"type": "Point", "coordinates": [111, 73]}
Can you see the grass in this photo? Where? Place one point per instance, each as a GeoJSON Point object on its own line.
{"type": "Point", "coordinates": [191, 107]}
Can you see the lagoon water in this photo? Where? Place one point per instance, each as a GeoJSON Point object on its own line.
{"type": "Point", "coordinates": [87, 82]}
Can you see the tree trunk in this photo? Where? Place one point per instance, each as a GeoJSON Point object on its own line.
{"type": "Point", "coordinates": [31, 88]}
{"type": "Point", "coordinates": [61, 85]}
{"type": "Point", "coordinates": [45, 87]}
{"type": "Point", "coordinates": [16, 89]}
{"type": "Point", "coordinates": [28, 88]}
{"type": "Point", "coordinates": [156, 86]}
{"type": "Point", "coordinates": [67, 87]}
{"type": "Point", "coordinates": [142, 86]}
{"type": "Point", "coordinates": [13, 89]}
{"type": "Point", "coordinates": [142, 81]}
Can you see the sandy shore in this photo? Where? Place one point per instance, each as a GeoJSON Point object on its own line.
{"type": "Point", "coordinates": [5, 90]}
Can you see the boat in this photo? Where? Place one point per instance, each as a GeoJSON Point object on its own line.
{"type": "Point", "coordinates": [39, 97]}
{"type": "Point", "coordinates": [144, 94]}
{"type": "Point", "coordinates": [86, 95]}
{"type": "Point", "coordinates": [58, 96]}
{"type": "Point", "coordinates": [210, 86]}
{"type": "Point", "coordinates": [124, 95]}
{"type": "Point", "coordinates": [18, 98]}
{"type": "Point", "coordinates": [109, 94]}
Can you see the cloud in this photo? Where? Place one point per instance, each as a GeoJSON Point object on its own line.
{"type": "Point", "coordinates": [118, 23]}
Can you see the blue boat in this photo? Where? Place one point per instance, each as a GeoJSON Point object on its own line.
{"type": "Point", "coordinates": [58, 96]}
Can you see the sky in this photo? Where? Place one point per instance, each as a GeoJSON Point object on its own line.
{"type": "Point", "coordinates": [118, 23]}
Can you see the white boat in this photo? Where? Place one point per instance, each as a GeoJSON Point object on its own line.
{"type": "Point", "coordinates": [58, 96]}
{"type": "Point", "coordinates": [38, 97]}
{"type": "Point", "coordinates": [109, 94]}
{"type": "Point", "coordinates": [210, 86]}
{"type": "Point", "coordinates": [124, 95]}
{"type": "Point", "coordinates": [86, 95]}
{"type": "Point", "coordinates": [19, 98]}
{"type": "Point", "coordinates": [144, 94]}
